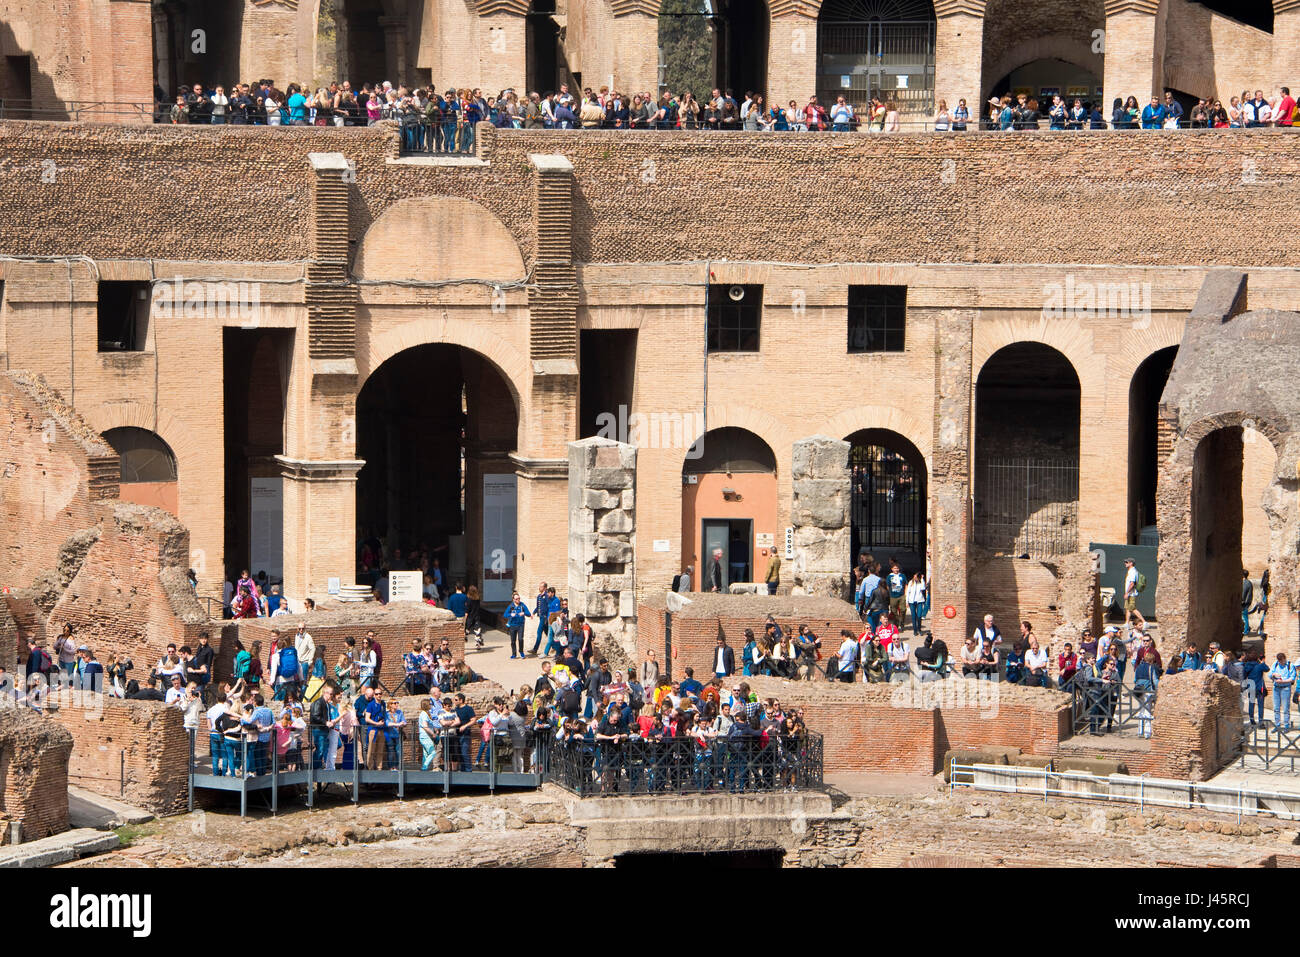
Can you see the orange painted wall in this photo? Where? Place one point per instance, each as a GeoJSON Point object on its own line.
{"type": "Point", "coordinates": [158, 494]}
{"type": "Point", "coordinates": [757, 501]}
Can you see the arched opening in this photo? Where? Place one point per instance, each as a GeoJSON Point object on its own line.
{"type": "Point", "coordinates": [435, 426]}
{"type": "Point", "coordinates": [196, 41]}
{"type": "Point", "coordinates": [1027, 452]}
{"type": "Point", "coordinates": [1149, 442]}
{"type": "Point", "coordinates": [1046, 77]}
{"type": "Point", "coordinates": [1029, 47]}
{"type": "Point", "coordinates": [363, 43]}
{"type": "Point", "coordinates": [713, 43]}
{"type": "Point", "coordinates": [880, 48]}
{"type": "Point", "coordinates": [547, 66]}
{"type": "Point", "coordinates": [148, 467]}
{"type": "Point", "coordinates": [255, 380]}
{"type": "Point", "coordinates": [729, 508]}
{"type": "Point", "coordinates": [1214, 572]}
{"type": "Point", "coordinates": [889, 488]}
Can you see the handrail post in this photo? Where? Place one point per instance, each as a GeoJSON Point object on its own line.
{"type": "Point", "coordinates": [275, 774]}
{"type": "Point", "coordinates": [401, 765]}
{"type": "Point", "coordinates": [189, 778]}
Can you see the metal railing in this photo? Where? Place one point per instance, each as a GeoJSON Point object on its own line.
{"type": "Point", "coordinates": [408, 757]}
{"type": "Point", "coordinates": [73, 111]}
{"type": "Point", "coordinates": [1103, 707]}
{"type": "Point", "coordinates": [1028, 506]}
{"type": "Point", "coordinates": [738, 764]}
{"type": "Point", "coordinates": [1142, 791]}
{"type": "Point", "coordinates": [1270, 744]}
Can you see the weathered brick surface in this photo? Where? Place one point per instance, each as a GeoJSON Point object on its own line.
{"type": "Point", "coordinates": [1184, 198]}
{"type": "Point", "coordinates": [136, 751]}
{"type": "Point", "coordinates": [1197, 725]}
{"type": "Point", "coordinates": [695, 630]}
{"type": "Point", "coordinates": [132, 583]}
{"type": "Point", "coordinates": [395, 625]}
{"type": "Point", "coordinates": [33, 773]}
{"type": "Point", "coordinates": [908, 728]}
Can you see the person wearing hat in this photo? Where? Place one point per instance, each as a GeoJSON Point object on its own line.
{"type": "Point", "coordinates": [1131, 595]}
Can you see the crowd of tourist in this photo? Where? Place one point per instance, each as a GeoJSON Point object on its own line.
{"type": "Point", "coordinates": [443, 122]}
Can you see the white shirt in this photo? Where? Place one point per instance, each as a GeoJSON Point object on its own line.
{"type": "Point", "coordinates": [718, 667]}
{"type": "Point", "coordinates": [215, 712]}
{"type": "Point", "coordinates": [899, 651]}
{"type": "Point", "coordinates": [1036, 659]}
{"type": "Point", "coordinates": [848, 653]}
{"type": "Point", "coordinates": [174, 695]}
{"type": "Point", "coordinates": [1131, 582]}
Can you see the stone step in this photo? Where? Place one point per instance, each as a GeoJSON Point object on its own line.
{"type": "Point", "coordinates": [59, 848]}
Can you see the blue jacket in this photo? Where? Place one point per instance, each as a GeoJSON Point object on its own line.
{"type": "Point", "coordinates": [1153, 117]}
{"type": "Point", "coordinates": [515, 615]}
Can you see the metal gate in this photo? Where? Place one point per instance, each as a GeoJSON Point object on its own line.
{"type": "Point", "coordinates": [1028, 506]}
{"type": "Point", "coordinates": [888, 504]}
{"type": "Point", "coordinates": [882, 48]}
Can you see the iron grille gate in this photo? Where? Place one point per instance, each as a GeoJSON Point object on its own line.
{"type": "Point", "coordinates": [888, 502]}
{"type": "Point", "coordinates": [1028, 506]}
{"type": "Point", "coordinates": [890, 60]}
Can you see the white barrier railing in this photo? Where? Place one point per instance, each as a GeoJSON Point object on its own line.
{"type": "Point", "coordinates": [1142, 791]}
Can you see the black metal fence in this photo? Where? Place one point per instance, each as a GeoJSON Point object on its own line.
{"type": "Point", "coordinates": [1104, 707]}
{"type": "Point", "coordinates": [1028, 506]}
{"type": "Point", "coordinates": [681, 765]}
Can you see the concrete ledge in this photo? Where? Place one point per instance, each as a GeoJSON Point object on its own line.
{"type": "Point", "coordinates": [58, 849]}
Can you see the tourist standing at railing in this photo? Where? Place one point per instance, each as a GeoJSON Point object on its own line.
{"type": "Point", "coordinates": [1056, 114]}
{"type": "Point", "coordinates": [1173, 110]}
{"type": "Point", "coordinates": [1253, 670]}
{"type": "Point", "coordinates": [394, 728]}
{"type": "Point", "coordinates": [1077, 115]}
{"type": "Point", "coordinates": [1284, 108]}
{"type": "Point", "coordinates": [1282, 675]}
{"type": "Point", "coordinates": [1256, 111]}
{"type": "Point", "coordinates": [324, 715]}
{"type": "Point", "coordinates": [942, 118]}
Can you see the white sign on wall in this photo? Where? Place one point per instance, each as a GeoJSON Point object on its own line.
{"type": "Point", "coordinates": [764, 539]}
{"type": "Point", "coordinates": [266, 527]}
{"type": "Point", "coordinates": [498, 537]}
{"type": "Point", "coordinates": [405, 586]}
{"type": "Point", "coordinates": [662, 544]}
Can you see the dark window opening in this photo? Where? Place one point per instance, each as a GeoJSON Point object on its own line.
{"type": "Point", "coordinates": [145, 456]}
{"type": "Point", "coordinates": [734, 313]}
{"type": "Point", "coordinates": [1253, 13]}
{"type": "Point", "coordinates": [877, 317]}
{"type": "Point", "coordinates": [123, 316]}
{"type": "Point", "coordinates": [730, 450]}
{"type": "Point", "coordinates": [607, 360]}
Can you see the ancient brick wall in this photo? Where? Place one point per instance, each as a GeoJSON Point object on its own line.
{"type": "Point", "coordinates": [129, 596]}
{"type": "Point", "coordinates": [908, 728]}
{"type": "Point", "coordinates": [33, 774]}
{"type": "Point", "coordinates": [151, 736]}
{"type": "Point", "coordinates": [695, 630]}
{"type": "Point", "coordinates": [395, 626]}
{"type": "Point", "coordinates": [1012, 590]}
{"type": "Point", "coordinates": [56, 468]}
{"type": "Point", "coordinates": [1183, 197]}
{"type": "Point", "coordinates": [1197, 725]}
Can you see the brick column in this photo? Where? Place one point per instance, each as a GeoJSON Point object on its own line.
{"type": "Point", "coordinates": [819, 513]}
{"type": "Point", "coordinates": [501, 43]}
{"type": "Point", "coordinates": [1286, 45]}
{"type": "Point", "coordinates": [1134, 55]}
{"type": "Point", "coordinates": [792, 53]}
{"type": "Point", "coordinates": [959, 53]}
{"type": "Point", "coordinates": [950, 474]}
{"type": "Point", "coordinates": [602, 536]}
{"type": "Point", "coordinates": [551, 416]}
{"type": "Point", "coordinates": [395, 48]}
{"type": "Point", "coordinates": [319, 464]}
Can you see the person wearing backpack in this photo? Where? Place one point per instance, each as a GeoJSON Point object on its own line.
{"type": "Point", "coordinates": [38, 661]}
{"type": "Point", "coordinates": [287, 673]}
{"type": "Point", "coordinates": [1134, 584]}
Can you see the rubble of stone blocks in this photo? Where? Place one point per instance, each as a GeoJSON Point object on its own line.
{"type": "Point", "coordinates": [602, 532]}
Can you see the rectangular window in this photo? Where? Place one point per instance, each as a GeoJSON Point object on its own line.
{"type": "Point", "coordinates": [734, 314]}
{"type": "Point", "coordinates": [877, 315]}
{"type": "Point", "coordinates": [123, 316]}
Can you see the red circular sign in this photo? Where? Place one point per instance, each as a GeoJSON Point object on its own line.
{"type": "Point", "coordinates": [949, 611]}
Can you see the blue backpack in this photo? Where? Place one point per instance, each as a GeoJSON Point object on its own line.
{"type": "Point", "coordinates": [289, 662]}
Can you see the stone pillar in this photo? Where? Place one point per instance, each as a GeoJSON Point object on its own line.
{"type": "Point", "coordinates": [602, 536]}
{"type": "Point", "coordinates": [319, 464]}
{"type": "Point", "coordinates": [959, 53]}
{"type": "Point", "coordinates": [395, 48]}
{"type": "Point", "coordinates": [502, 43]}
{"type": "Point", "coordinates": [950, 475]}
{"type": "Point", "coordinates": [819, 513]}
{"type": "Point", "coordinates": [1135, 51]}
{"type": "Point", "coordinates": [792, 54]}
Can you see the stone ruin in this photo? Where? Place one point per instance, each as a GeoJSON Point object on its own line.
{"type": "Point", "coordinates": [819, 514]}
{"type": "Point", "coordinates": [602, 537]}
